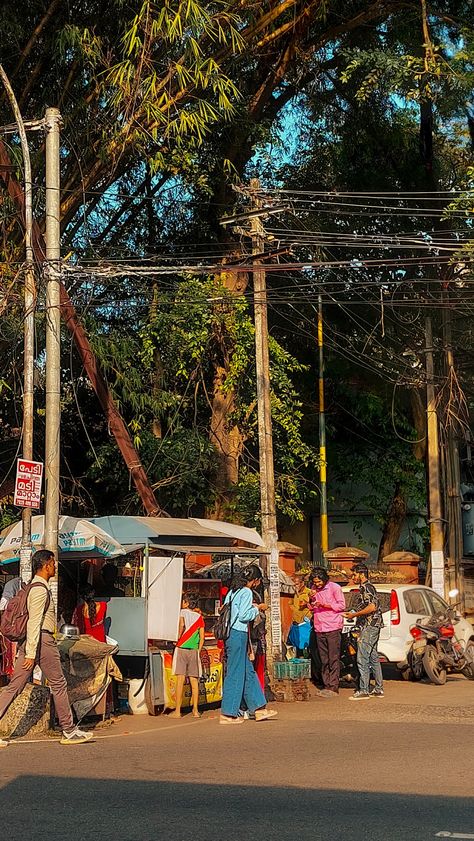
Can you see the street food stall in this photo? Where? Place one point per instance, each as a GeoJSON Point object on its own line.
{"type": "Point", "coordinates": [148, 557]}
{"type": "Point", "coordinates": [78, 540]}
{"type": "Point", "coordinates": [152, 576]}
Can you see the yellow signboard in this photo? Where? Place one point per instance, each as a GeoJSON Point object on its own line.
{"type": "Point", "coordinates": [210, 685]}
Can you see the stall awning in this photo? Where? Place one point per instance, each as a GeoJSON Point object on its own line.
{"type": "Point", "coordinates": [182, 531]}
{"type": "Point", "coordinates": [208, 550]}
{"type": "Point", "coordinates": [77, 537]}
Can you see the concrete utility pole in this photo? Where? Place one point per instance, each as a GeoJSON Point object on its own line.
{"type": "Point", "coordinates": [53, 331]}
{"type": "Point", "coordinates": [265, 438]}
{"type": "Point", "coordinates": [117, 425]}
{"type": "Point", "coordinates": [453, 471]}
{"type": "Point", "coordinates": [434, 493]}
{"type": "Point", "coordinates": [28, 327]}
{"type": "Point", "coordinates": [323, 504]}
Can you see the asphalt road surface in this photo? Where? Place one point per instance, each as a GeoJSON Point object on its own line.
{"type": "Point", "coordinates": [388, 769]}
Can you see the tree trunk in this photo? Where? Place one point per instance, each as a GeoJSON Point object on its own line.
{"type": "Point", "coordinates": [226, 437]}
{"type": "Point", "coordinates": [396, 514]}
{"type": "Point", "coordinates": [228, 441]}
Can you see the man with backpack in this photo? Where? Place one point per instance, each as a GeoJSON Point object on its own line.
{"type": "Point", "coordinates": [33, 607]}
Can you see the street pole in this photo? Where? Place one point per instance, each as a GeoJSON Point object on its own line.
{"type": "Point", "coordinates": [53, 334]}
{"type": "Point", "coordinates": [29, 298]}
{"type": "Point", "coordinates": [453, 471]}
{"type": "Point", "coordinates": [323, 504]}
{"type": "Point", "coordinates": [265, 438]}
{"type": "Point", "coordinates": [434, 493]}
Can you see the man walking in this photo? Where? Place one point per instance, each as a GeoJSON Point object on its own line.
{"type": "Point", "coordinates": [40, 647]}
{"type": "Point", "coordinates": [369, 621]}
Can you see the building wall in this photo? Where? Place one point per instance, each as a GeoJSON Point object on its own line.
{"type": "Point", "coordinates": [354, 529]}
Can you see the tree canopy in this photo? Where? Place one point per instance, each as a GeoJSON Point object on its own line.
{"type": "Point", "coordinates": [357, 118]}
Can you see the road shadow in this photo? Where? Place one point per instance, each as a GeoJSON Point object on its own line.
{"type": "Point", "coordinates": [47, 807]}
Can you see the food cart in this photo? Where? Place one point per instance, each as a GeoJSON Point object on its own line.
{"type": "Point", "coordinates": [153, 576]}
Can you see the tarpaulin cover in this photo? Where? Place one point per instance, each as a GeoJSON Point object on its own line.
{"type": "Point", "coordinates": [89, 668]}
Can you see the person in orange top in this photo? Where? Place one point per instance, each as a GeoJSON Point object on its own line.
{"type": "Point", "coordinates": [300, 605]}
{"type": "Point", "coordinates": [89, 616]}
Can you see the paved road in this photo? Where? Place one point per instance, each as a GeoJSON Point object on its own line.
{"type": "Point", "coordinates": [324, 770]}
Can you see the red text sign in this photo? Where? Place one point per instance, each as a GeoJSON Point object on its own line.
{"type": "Point", "coordinates": [29, 476]}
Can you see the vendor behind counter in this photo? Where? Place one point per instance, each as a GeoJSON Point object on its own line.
{"type": "Point", "coordinates": [107, 588]}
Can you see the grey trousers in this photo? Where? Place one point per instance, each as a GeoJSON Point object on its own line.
{"type": "Point", "coordinates": [49, 662]}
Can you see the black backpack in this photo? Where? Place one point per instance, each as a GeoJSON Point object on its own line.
{"type": "Point", "coordinates": [223, 625]}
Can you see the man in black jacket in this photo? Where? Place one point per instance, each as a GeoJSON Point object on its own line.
{"type": "Point", "coordinates": [369, 622]}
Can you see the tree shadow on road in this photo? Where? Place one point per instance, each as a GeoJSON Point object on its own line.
{"type": "Point", "coordinates": [46, 808]}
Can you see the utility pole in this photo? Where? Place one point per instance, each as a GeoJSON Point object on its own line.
{"type": "Point", "coordinates": [453, 471]}
{"type": "Point", "coordinates": [116, 423]}
{"type": "Point", "coordinates": [265, 438]}
{"type": "Point", "coordinates": [434, 492]}
{"type": "Point", "coordinates": [323, 504]}
{"type": "Point", "coordinates": [53, 332]}
{"type": "Point", "coordinates": [28, 327]}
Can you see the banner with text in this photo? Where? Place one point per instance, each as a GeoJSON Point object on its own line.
{"type": "Point", "coordinates": [29, 477]}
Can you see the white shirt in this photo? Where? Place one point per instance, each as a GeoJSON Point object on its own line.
{"type": "Point", "coordinates": [11, 589]}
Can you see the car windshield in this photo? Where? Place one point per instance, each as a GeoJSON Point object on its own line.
{"type": "Point", "coordinates": [351, 600]}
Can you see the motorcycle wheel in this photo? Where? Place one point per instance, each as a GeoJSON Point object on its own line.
{"type": "Point", "coordinates": [415, 670]}
{"type": "Point", "coordinates": [469, 655]}
{"type": "Point", "coordinates": [432, 666]}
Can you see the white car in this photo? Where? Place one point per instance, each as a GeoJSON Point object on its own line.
{"type": "Point", "coordinates": [402, 605]}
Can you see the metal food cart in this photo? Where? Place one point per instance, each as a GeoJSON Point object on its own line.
{"type": "Point", "coordinates": [145, 624]}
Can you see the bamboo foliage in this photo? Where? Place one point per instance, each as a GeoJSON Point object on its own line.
{"type": "Point", "coordinates": [165, 87]}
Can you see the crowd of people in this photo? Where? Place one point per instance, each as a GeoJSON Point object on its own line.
{"type": "Point", "coordinates": [244, 651]}
{"type": "Point", "coordinates": [318, 608]}
{"type": "Point", "coordinates": [319, 605]}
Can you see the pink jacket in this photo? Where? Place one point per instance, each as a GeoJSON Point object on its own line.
{"type": "Point", "coordinates": [328, 619]}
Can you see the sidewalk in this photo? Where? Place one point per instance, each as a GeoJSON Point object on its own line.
{"type": "Point", "coordinates": [403, 702]}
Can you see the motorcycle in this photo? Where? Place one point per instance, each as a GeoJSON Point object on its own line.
{"type": "Point", "coordinates": [435, 650]}
{"type": "Point", "coordinates": [348, 657]}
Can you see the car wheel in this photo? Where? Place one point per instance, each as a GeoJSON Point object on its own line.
{"type": "Point", "coordinates": [435, 671]}
{"type": "Point", "coordinates": [469, 655]}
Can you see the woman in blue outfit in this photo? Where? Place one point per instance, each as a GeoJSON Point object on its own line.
{"type": "Point", "coordinates": [241, 681]}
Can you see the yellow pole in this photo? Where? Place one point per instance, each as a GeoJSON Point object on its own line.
{"type": "Point", "coordinates": [323, 517]}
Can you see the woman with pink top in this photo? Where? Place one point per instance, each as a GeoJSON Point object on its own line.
{"type": "Point", "coordinates": [327, 605]}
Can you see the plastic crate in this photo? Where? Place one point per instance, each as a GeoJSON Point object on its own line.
{"type": "Point", "coordinates": [292, 669]}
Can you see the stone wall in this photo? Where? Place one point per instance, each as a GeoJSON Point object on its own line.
{"type": "Point", "coordinates": [29, 714]}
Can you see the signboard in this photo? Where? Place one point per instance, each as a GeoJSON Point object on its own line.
{"type": "Point", "coordinates": [165, 585]}
{"type": "Point", "coordinates": [275, 611]}
{"type": "Point", "coordinates": [210, 683]}
{"type": "Point", "coordinates": [437, 572]}
{"type": "Point", "coordinates": [29, 476]}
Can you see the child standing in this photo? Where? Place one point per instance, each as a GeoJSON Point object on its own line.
{"type": "Point", "coordinates": [186, 658]}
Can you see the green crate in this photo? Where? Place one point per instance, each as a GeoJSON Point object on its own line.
{"type": "Point", "coordinates": [292, 669]}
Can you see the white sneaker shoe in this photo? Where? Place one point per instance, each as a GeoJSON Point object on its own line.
{"type": "Point", "coordinates": [3, 743]}
{"type": "Point", "coordinates": [76, 737]}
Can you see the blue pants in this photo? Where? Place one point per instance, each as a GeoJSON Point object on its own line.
{"type": "Point", "coordinates": [368, 658]}
{"type": "Point", "coordinates": [241, 681]}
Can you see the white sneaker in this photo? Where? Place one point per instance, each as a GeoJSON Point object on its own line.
{"type": "Point", "coordinates": [3, 743]}
{"type": "Point", "coordinates": [76, 737]}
